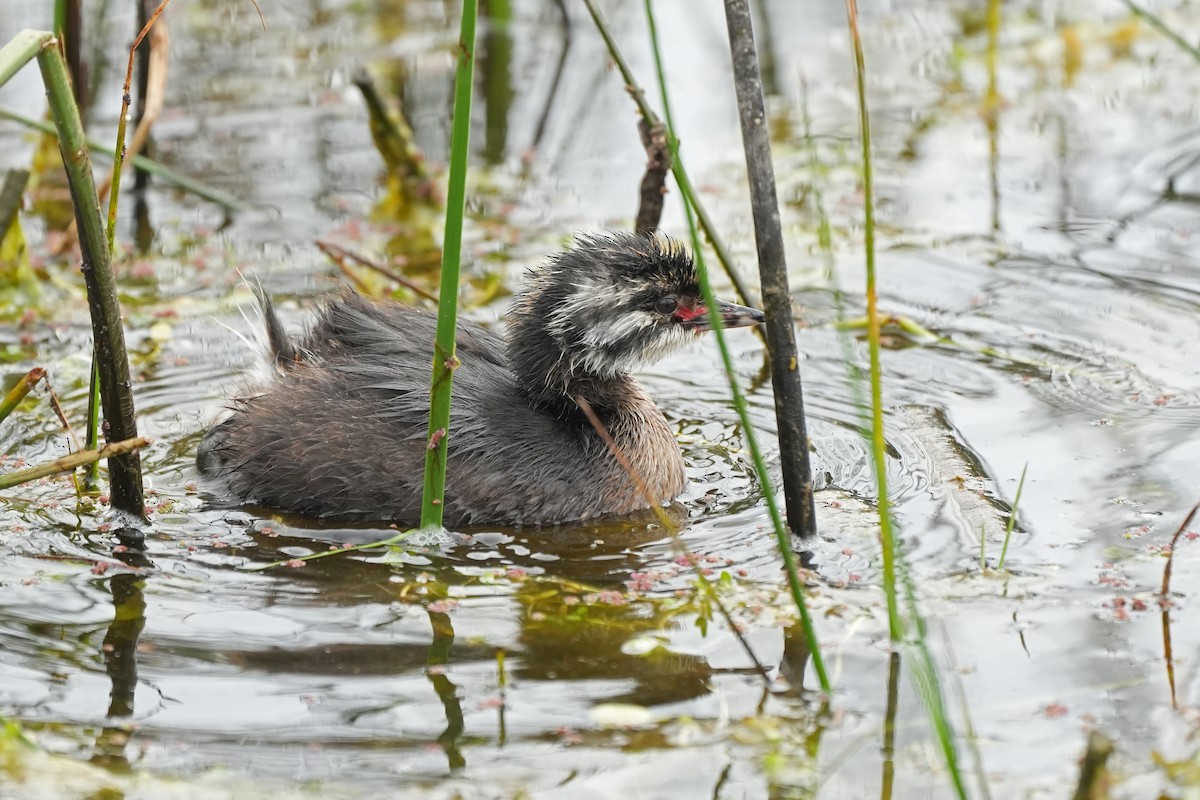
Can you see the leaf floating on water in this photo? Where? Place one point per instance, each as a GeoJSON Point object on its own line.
{"type": "Point", "coordinates": [621, 715]}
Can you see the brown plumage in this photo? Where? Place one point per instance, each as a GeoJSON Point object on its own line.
{"type": "Point", "coordinates": [340, 432]}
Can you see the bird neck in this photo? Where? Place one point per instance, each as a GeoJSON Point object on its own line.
{"type": "Point", "coordinates": [552, 379]}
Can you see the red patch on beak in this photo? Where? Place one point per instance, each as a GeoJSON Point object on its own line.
{"type": "Point", "coordinates": [684, 314]}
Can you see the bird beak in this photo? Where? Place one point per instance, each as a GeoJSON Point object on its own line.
{"type": "Point", "coordinates": [732, 316]}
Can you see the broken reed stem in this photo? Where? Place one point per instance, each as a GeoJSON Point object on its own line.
{"type": "Point", "coordinates": [73, 461]}
{"type": "Point", "coordinates": [1166, 582]}
{"type": "Point", "coordinates": [772, 270]}
{"type": "Point", "coordinates": [673, 530]}
{"type": "Point", "coordinates": [116, 384]}
{"type": "Point", "coordinates": [19, 392]}
{"type": "Point", "coordinates": [681, 179]}
{"type": "Point", "coordinates": [444, 359]}
{"type": "Point", "coordinates": [796, 588]}
{"type": "Point", "coordinates": [653, 188]}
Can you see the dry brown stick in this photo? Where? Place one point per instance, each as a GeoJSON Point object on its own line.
{"type": "Point", "coordinates": [654, 182]}
{"type": "Point", "coordinates": [671, 528]}
{"type": "Point", "coordinates": [338, 254]}
{"type": "Point", "coordinates": [62, 416]}
{"type": "Point", "coordinates": [71, 462]}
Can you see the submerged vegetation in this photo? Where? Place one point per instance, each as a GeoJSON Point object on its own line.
{"type": "Point", "coordinates": [700, 650]}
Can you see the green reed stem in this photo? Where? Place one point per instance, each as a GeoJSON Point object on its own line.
{"type": "Point", "coordinates": [681, 179]}
{"type": "Point", "coordinates": [20, 50]}
{"type": "Point", "coordinates": [1012, 517]}
{"type": "Point", "coordinates": [739, 400]}
{"type": "Point", "coordinates": [116, 385]}
{"type": "Point", "coordinates": [1162, 28]}
{"type": "Point", "coordinates": [444, 359]}
{"type": "Point", "coordinates": [878, 443]}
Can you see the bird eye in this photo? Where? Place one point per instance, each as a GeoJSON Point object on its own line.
{"type": "Point", "coordinates": [666, 305]}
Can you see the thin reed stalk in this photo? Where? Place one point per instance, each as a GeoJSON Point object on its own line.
{"type": "Point", "coordinates": [739, 400]}
{"type": "Point", "coordinates": [788, 391]}
{"type": "Point", "coordinates": [1164, 29]}
{"type": "Point", "coordinates": [444, 360]}
{"type": "Point", "coordinates": [874, 334]}
{"type": "Point", "coordinates": [924, 669]}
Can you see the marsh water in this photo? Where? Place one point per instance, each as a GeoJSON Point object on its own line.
{"type": "Point", "coordinates": [1052, 256]}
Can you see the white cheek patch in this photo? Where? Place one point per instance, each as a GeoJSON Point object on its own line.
{"type": "Point", "coordinates": [588, 298]}
{"type": "Point", "coordinates": [612, 331]}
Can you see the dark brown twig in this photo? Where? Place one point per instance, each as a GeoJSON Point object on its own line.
{"type": "Point", "coordinates": [339, 254]}
{"type": "Point", "coordinates": [654, 182]}
{"type": "Point", "coordinates": [1165, 603]}
{"type": "Point", "coordinates": [772, 271]}
{"type": "Point", "coordinates": [62, 416]}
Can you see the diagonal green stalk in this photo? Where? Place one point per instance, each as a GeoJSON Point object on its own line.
{"type": "Point", "coordinates": [739, 400]}
{"type": "Point", "coordinates": [1162, 28]}
{"type": "Point", "coordinates": [165, 173]}
{"type": "Point", "coordinates": [444, 360]}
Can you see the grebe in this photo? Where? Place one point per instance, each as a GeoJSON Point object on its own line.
{"type": "Point", "coordinates": [340, 433]}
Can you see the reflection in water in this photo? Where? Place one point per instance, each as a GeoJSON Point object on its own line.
{"type": "Point", "coordinates": [888, 750]}
{"type": "Point", "coordinates": [495, 66]}
{"type": "Point", "coordinates": [120, 660]}
{"type": "Point", "coordinates": [439, 659]}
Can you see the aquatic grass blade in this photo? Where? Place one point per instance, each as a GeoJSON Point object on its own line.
{"type": "Point", "coordinates": [1012, 518]}
{"type": "Point", "coordinates": [444, 360]}
{"type": "Point", "coordinates": [739, 401]}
